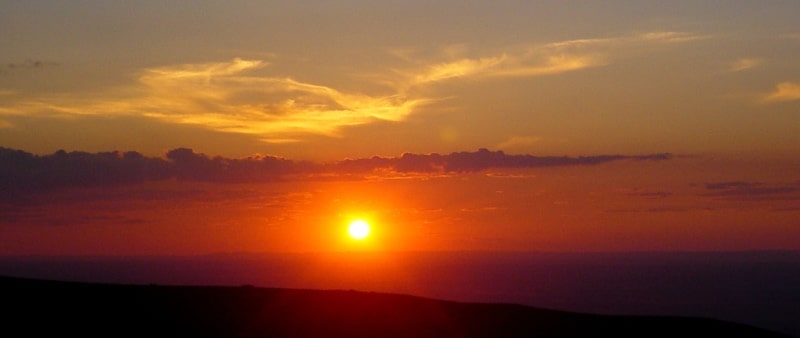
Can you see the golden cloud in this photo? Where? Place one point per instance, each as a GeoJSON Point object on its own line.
{"type": "Point", "coordinates": [629, 41]}
{"type": "Point", "coordinates": [672, 37]}
{"type": "Point", "coordinates": [460, 68]}
{"type": "Point", "coordinates": [538, 60]}
{"type": "Point", "coordinates": [785, 91]}
{"type": "Point", "coordinates": [224, 96]}
{"type": "Point", "coordinates": [234, 97]}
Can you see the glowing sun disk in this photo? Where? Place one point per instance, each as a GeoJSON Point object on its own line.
{"type": "Point", "coordinates": [358, 229]}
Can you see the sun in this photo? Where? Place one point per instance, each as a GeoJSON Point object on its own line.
{"type": "Point", "coordinates": [358, 229]}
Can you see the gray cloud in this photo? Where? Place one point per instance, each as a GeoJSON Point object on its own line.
{"type": "Point", "coordinates": [753, 190]}
{"type": "Point", "coordinates": [21, 171]}
{"type": "Point", "coordinates": [650, 194]}
{"type": "Point", "coordinates": [29, 64]}
{"type": "Point", "coordinates": [483, 159]}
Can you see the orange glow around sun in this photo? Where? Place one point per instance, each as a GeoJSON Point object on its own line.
{"type": "Point", "coordinates": [358, 229]}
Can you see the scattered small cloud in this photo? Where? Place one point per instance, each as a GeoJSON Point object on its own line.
{"type": "Point", "coordinates": [667, 209]}
{"type": "Point", "coordinates": [730, 185]}
{"type": "Point", "coordinates": [650, 210]}
{"type": "Point", "coordinates": [650, 194]}
{"type": "Point", "coordinates": [510, 175]}
{"type": "Point", "coordinates": [27, 64]}
{"type": "Point", "coordinates": [784, 91]}
{"type": "Point", "coordinates": [481, 209]}
{"type": "Point", "coordinates": [753, 190]}
{"type": "Point", "coordinates": [743, 64]}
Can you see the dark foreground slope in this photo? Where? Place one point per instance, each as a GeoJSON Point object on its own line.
{"type": "Point", "coordinates": [34, 308]}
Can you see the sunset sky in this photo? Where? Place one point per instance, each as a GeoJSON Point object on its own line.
{"type": "Point", "coordinates": [700, 100]}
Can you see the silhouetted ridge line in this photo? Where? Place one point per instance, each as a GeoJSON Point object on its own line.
{"type": "Point", "coordinates": [48, 308]}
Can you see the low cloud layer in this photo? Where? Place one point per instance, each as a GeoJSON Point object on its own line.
{"type": "Point", "coordinates": [483, 159]}
{"type": "Point", "coordinates": [22, 171]}
{"type": "Point", "coordinates": [753, 190]}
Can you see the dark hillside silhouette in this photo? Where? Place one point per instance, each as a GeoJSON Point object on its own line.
{"type": "Point", "coordinates": [36, 308]}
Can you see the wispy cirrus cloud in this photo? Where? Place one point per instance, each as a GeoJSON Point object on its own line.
{"type": "Point", "coordinates": [631, 41]}
{"type": "Point", "coordinates": [671, 37]}
{"type": "Point", "coordinates": [541, 59]}
{"type": "Point", "coordinates": [232, 101]}
{"type": "Point", "coordinates": [505, 65]}
{"type": "Point", "coordinates": [236, 97]}
{"type": "Point", "coordinates": [225, 96]}
{"type": "Point", "coordinates": [744, 64]}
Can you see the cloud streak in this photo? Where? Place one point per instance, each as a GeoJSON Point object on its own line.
{"type": "Point", "coordinates": [222, 96]}
{"type": "Point", "coordinates": [742, 190]}
{"type": "Point", "coordinates": [784, 91]}
{"type": "Point", "coordinates": [27, 64]}
{"type": "Point", "coordinates": [226, 97]}
{"type": "Point", "coordinates": [543, 59]}
{"type": "Point", "coordinates": [22, 171]}
{"type": "Point", "coordinates": [743, 64]}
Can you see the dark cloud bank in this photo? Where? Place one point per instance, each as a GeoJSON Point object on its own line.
{"type": "Point", "coordinates": [23, 171]}
{"type": "Point", "coordinates": [753, 190]}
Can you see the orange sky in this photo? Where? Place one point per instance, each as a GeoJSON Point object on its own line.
{"type": "Point", "coordinates": [677, 204]}
{"type": "Point", "coordinates": [717, 87]}
{"type": "Point", "coordinates": [325, 81]}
